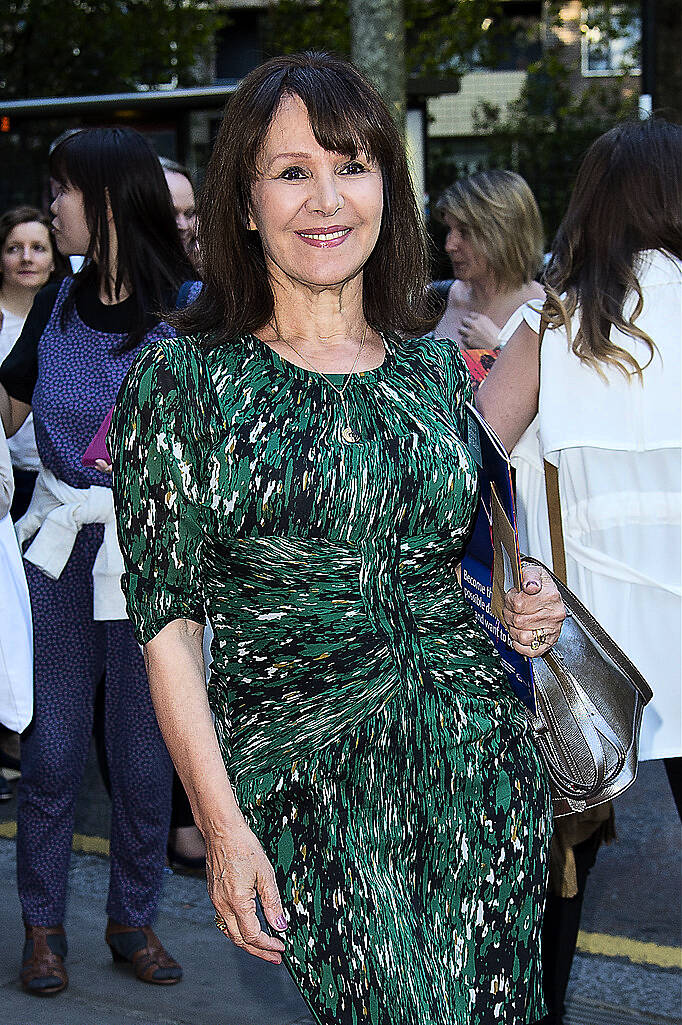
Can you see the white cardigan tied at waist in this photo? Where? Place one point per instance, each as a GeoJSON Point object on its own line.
{"type": "Point", "coordinates": [56, 514]}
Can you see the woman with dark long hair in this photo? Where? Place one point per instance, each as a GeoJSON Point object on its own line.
{"type": "Point", "coordinates": [608, 396]}
{"type": "Point", "coordinates": [370, 774]}
{"type": "Point", "coordinates": [112, 206]}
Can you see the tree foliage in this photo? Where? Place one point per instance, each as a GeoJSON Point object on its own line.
{"type": "Point", "coordinates": [79, 47]}
{"type": "Point", "coordinates": [545, 133]}
{"type": "Point", "coordinates": [442, 36]}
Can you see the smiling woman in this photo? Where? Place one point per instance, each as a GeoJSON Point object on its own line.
{"type": "Point", "coordinates": [294, 469]}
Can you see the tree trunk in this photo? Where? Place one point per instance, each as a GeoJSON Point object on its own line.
{"type": "Point", "coordinates": [378, 48]}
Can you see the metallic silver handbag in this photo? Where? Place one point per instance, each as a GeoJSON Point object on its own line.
{"type": "Point", "coordinates": [589, 701]}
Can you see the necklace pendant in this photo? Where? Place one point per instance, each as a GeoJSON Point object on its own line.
{"type": "Point", "coordinates": [350, 435]}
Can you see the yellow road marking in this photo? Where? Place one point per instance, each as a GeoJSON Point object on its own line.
{"type": "Point", "coordinates": [634, 950]}
{"type": "Point", "coordinates": [599, 943]}
{"type": "Point", "coordinates": [82, 844]}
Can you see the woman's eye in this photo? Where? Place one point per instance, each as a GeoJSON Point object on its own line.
{"type": "Point", "coordinates": [40, 249]}
{"type": "Point", "coordinates": [353, 167]}
{"type": "Point", "coordinates": [291, 174]}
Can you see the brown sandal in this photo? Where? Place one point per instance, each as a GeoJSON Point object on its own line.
{"type": "Point", "coordinates": [43, 972]}
{"type": "Point", "coordinates": [141, 947]}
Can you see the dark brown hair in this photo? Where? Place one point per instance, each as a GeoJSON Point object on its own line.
{"type": "Point", "coordinates": [28, 215]}
{"type": "Point", "coordinates": [627, 198]}
{"type": "Point", "coordinates": [347, 116]}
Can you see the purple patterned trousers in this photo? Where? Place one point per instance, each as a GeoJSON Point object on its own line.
{"type": "Point", "coordinates": [72, 652]}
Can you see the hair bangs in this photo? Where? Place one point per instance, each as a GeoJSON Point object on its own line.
{"type": "Point", "coordinates": [341, 118]}
{"type": "Point", "coordinates": [69, 164]}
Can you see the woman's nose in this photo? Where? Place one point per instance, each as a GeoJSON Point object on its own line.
{"type": "Point", "coordinates": [27, 254]}
{"type": "Point", "coordinates": [326, 198]}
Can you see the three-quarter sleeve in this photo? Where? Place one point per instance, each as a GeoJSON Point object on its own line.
{"type": "Point", "coordinates": [163, 426]}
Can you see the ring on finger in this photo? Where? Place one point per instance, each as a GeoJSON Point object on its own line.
{"type": "Point", "coordinates": [220, 923]}
{"type": "Point", "coordinates": [539, 638]}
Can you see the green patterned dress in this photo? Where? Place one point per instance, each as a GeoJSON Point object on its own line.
{"type": "Point", "coordinates": [365, 721]}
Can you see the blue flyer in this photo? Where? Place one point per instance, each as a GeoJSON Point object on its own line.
{"type": "Point", "coordinates": [491, 563]}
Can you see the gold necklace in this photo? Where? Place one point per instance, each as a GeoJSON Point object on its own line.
{"type": "Point", "coordinates": [348, 433]}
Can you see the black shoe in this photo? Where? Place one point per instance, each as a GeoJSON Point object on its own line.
{"type": "Point", "coordinates": [6, 793]}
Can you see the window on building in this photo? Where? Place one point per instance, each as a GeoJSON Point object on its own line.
{"type": "Point", "coordinates": [239, 46]}
{"type": "Point", "coordinates": [610, 39]}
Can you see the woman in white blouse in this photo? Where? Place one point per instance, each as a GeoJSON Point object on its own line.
{"type": "Point", "coordinates": [27, 260]}
{"type": "Point", "coordinates": [608, 409]}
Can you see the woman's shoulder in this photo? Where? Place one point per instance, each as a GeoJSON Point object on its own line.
{"type": "Point", "coordinates": [425, 346]}
{"type": "Point", "coordinates": [658, 267]}
{"type": "Point", "coordinates": [170, 382]}
{"type": "Point", "coordinates": [438, 358]}
{"type": "Point", "coordinates": [168, 366]}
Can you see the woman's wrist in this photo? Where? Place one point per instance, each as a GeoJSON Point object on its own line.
{"type": "Point", "coordinates": [221, 819]}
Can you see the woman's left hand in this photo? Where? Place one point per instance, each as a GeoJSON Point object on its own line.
{"type": "Point", "coordinates": [535, 613]}
{"type": "Point", "coordinates": [103, 466]}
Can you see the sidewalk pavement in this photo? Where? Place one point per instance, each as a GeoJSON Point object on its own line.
{"type": "Point", "coordinates": [224, 986]}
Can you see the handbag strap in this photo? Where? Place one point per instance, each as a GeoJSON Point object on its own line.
{"type": "Point", "coordinates": [443, 287]}
{"type": "Point", "coordinates": [556, 528]}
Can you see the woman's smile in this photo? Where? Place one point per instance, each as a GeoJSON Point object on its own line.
{"type": "Point", "coordinates": [325, 238]}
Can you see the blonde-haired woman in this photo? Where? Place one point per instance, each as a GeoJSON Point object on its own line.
{"type": "Point", "coordinates": [494, 243]}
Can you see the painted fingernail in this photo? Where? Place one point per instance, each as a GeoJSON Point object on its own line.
{"type": "Point", "coordinates": [281, 923]}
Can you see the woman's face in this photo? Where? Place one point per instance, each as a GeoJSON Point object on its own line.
{"type": "Point", "coordinates": [70, 226]}
{"type": "Point", "coordinates": [468, 264]}
{"type": "Point", "coordinates": [26, 259]}
{"type": "Point", "coordinates": [318, 213]}
{"type": "Point", "coordinates": [182, 198]}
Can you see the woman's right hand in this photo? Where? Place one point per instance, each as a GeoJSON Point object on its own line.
{"type": "Point", "coordinates": [478, 332]}
{"type": "Point", "coordinates": [237, 870]}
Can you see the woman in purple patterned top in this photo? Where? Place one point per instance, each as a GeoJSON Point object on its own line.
{"type": "Point", "coordinates": [112, 206]}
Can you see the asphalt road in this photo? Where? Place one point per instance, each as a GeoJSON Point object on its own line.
{"type": "Point", "coordinates": [624, 973]}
